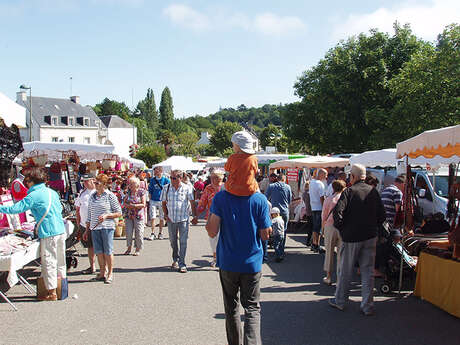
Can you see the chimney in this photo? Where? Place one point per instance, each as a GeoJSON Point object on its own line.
{"type": "Point", "coordinates": [21, 96]}
{"type": "Point", "coordinates": [75, 99]}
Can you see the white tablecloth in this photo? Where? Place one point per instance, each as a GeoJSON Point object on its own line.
{"type": "Point", "coordinates": [16, 261]}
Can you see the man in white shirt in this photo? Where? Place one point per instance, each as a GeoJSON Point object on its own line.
{"type": "Point", "coordinates": [81, 204]}
{"type": "Point", "coordinates": [317, 194]}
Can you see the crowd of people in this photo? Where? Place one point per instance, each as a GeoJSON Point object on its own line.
{"type": "Point", "coordinates": [243, 218]}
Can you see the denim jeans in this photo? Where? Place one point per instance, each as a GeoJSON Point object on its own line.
{"type": "Point", "coordinates": [278, 245]}
{"type": "Point", "coordinates": [265, 249]}
{"type": "Point", "coordinates": [248, 286]}
{"type": "Point", "coordinates": [178, 231]}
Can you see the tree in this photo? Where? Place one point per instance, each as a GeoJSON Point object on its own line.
{"type": "Point", "coordinates": [428, 88]}
{"type": "Point", "coordinates": [346, 98]}
{"type": "Point", "coordinates": [269, 136]}
{"type": "Point", "coordinates": [145, 135]}
{"type": "Point", "coordinates": [167, 138]}
{"type": "Point", "coordinates": [166, 110]}
{"type": "Point", "coordinates": [151, 154]}
{"type": "Point", "coordinates": [147, 110]}
{"type": "Point", "coordinates": [222, 135]}
{"type": "Point", "coordinates": [111, 107]}
{"type": "Point", "coordinates": [186, 142]}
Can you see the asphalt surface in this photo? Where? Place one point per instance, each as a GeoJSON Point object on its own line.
{"type": "Point", "coordinates": [150, 304]}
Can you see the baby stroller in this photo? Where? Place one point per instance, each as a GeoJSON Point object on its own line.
{"type": "Point", "coordinates": [73, 238]}
{"type": "Point", "coordinates": [397, 258]}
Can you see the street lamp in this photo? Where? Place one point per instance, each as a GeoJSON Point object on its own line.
{"type": "Point", "coordinates": [24, 87]}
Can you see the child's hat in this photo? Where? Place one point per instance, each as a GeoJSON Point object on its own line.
{"type": "Point", "coordinates": [275, 210]}
{"type": "Point", "coordinates": [244, 140]}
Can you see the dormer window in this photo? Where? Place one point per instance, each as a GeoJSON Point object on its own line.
{"type": "Point", "coordinates": [86, 122]}
{"type": "Point", "coordinates": [54, 120]}
{"type": "Point", "coordinates": [71, 121]}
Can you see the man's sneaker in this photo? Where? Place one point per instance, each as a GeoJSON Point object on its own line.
{"type": "Point", "coordinates": [183, 269]}
{"type": "Point", "coordinates": [321, 250]}
{"type": "Point", "coordinates": [151, 237]}
{"type": "Point", "coordinates": [333, 304]}
{"type": "Point", "coordinates": [174, 265]}
{"type": "Point", "coordinates": [213, 263]}
{"type": "Point", "coordinates": [314, 248]}
{"type": "Point", "coordinates": [160, 236]}
{"type": "Point", "coordinates": [327, 280]}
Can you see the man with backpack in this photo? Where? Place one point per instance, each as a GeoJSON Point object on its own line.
{"type": "Point", "coordinates": [155, 188]}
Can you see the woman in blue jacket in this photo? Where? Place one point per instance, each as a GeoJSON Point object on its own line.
{"type": "Point", "coordinates": [46, 208]}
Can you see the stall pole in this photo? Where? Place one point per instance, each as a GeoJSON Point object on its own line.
{"type": "Point", "coordinates": [401, 265]}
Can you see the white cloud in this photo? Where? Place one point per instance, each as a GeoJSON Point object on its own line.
{"type": "Point", "coordinates": [186, 16]}
{"type": "Point", "coordinates": [426, 21]}
{"type": "Point", "coordinates": [266, 23]}
{"type": "Point", "coordinates": [271, 24]}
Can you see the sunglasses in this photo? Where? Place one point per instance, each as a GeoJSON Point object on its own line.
{"type": "Point", "coordinates": [175, 178]}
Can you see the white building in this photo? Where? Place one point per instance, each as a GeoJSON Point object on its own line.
{"type": "Point", "coordinates": [120, 133]}
{"type": "Point", "coordinates": [60, 120]}
{"type": "Point", "coordinates": [204, 140]}
{"type": "Point", "coordinates": [12, 112]}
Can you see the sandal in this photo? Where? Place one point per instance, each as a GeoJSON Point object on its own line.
{"type": "Point", "coordinates": [108, 280]}
{"type": "Point", "coordinates": [128, 252]}
{"type": "Point", "coordinates": [97, 279]}
{"type": "Point", "coordinates": [136, 253]}
{"type": "Point", "coordinates": [89, 270]}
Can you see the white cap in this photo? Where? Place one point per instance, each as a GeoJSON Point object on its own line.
{"type": "Point", "coordinates": [275, 210]}
{"type": "Point", "coordinates": [244, 140]}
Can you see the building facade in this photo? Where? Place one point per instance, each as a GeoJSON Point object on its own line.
{"type": "Point", "coordinates": [119, 133]}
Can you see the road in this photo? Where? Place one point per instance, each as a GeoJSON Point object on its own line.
{"type": "Point", "coordinates": [150, 304]}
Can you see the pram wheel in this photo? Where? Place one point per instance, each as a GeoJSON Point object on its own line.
{"type": "Point", "coordinates": [74, 262]}
{"type": "Point", "coordinates": [385, 288]}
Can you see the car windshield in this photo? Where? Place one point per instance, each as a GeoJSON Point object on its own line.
{"type": "Point", "coordinates": [441, 185]}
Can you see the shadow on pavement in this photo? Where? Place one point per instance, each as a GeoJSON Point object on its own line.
{"type": "Point", "coordinates": [315, 322]}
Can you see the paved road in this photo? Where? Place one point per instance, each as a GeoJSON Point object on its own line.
{"type": "Point", "coordinates": [150, 304]}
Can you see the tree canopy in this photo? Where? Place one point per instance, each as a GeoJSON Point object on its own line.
{"type": "Point", "coordinates": [221, 138]}
{"type": "Point", "coordinates": [166, 110]}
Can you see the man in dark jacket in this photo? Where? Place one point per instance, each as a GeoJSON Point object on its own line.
{"type": "Point", "coordinates": [358, 214]}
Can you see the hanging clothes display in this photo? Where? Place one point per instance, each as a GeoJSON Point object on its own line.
{"type": "Point", "coordinates": [10, 147]}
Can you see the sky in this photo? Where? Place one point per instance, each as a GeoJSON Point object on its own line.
{"type": "Point", "coordinates": [210, 54]}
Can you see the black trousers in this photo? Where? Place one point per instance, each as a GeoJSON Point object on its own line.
{"type": "Point", "coordinates": [246, 286]}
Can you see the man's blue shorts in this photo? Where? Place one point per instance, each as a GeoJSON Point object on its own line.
{"type": "Point", "coordinates": [103, 241]}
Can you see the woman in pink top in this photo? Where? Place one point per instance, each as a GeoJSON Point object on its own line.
{"type": "Point", "coordinates": [332, 238]}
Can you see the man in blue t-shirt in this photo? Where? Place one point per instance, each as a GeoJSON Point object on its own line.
{"type": "Point", "coordinates": [155, 187]}
{"type": "Point", "coordinates": [242, 223]}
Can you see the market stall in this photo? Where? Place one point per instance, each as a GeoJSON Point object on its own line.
{"type": "Point", "coordinates": [438, 268]}
{"type": "Point", "coordinates": [311, 162]}
{"type": "Point", "coordinates": [180, 162]}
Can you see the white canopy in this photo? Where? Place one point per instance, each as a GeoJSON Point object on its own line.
{"type": "Point", "coordinates": [220, 163]}
{"type": "Point", "coordinates": [54, 150]}
{"type": "Point", "coordinates": [311, 162]}
{"type": "Point", "coordinates": [444, 142]}
{"type": "Point", "coordinates": [137, 163]}
{"type": "Point", "coordinates": [387, 158]}
{"type": "Point", "coordinates": [11, 112]}
{"type": "Point", "coordinates": [180, 162]}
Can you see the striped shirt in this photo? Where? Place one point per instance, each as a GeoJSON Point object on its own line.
{"type": "Point", "coordinates": [177, 201]}
{"type": "Point", "coordinates": [390, 197]}
{"type": "Point", "coordinates": [98, 205]}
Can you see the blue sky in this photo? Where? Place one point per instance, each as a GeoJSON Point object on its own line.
{"type": "Point", "coordinates": [209, 53]}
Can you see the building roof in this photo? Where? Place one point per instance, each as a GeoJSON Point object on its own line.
{"type": "Point", "coordinates": [43, 108]}
{"type": "Point", "coordinates": [115, 121]}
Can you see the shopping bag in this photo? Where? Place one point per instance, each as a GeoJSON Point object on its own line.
{"type": "Point", "coordinates": [62, 289]}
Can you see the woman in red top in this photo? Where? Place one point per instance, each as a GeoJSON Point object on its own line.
{"type": "Point", "coordinates": [205, 202]}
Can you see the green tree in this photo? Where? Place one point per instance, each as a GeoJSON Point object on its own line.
{"type": "Point", "coordinates": [151, 154]}
{"type": "Point", "coordinates": [428, 88]}
{"type": "Point", "coordinates": [269, 136]}
{"type": "Point", "coordinates": [222, 135]}
{"type": "Point", "coordinates": [147, 110]}
{"type": "Point", "coordinates": [346, 98]}
{"type": "Point", "coordinates": [166, 110]}
{"type": "Point", "coordinates": [145, 135]}
{"type": "Point", "coordinates": [167, 138]}
{"type": "Point", "coordinates": [111, 107]}
{"type": "Point", "coordinates": [186, 142]}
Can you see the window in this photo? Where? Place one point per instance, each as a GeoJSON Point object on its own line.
{"type": "Point", "coordinates": [87, 140]}
{"type": "Point", "coordinates": [71, 121]}
{"type": "Point", "coordinates": [54, 139]}
{"type": "Point", "coordinates": [54, 121]}
{"type": "Point", "coordinates": [71, 139]}
{"type": "Point", "coordinates": [86, 122]}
